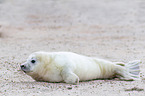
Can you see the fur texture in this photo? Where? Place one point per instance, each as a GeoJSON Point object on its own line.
{"type": "Point", "coordinates": [71, 68]}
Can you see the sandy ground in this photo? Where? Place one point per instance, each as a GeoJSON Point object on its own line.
{"type": "Point", "coordinates": [109, 29]}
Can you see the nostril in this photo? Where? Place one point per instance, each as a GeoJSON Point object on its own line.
{"type": "Point", "coordinates": [22, 66]}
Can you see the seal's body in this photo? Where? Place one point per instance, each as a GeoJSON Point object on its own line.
{"type": "Point", "coordinates": [71, 68]}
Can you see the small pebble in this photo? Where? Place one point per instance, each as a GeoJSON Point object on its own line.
{"type": "Point", "coordinates": [69, 88]}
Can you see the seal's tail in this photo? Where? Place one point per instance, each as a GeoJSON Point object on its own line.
{"type": "Point", "coordinates": [129, 71]}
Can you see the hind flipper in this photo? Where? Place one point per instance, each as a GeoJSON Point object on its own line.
{"type": "Point", "coordinates": [129, 71]}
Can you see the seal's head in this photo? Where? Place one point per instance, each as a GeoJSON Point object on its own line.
{"type": "Point", "coordinates": [36, 65]}
{"type": "Point", "coordinates": [30, 64]}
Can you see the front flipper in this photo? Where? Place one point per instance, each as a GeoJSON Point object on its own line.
{"type": "Point", "coordinates": [70, 77]}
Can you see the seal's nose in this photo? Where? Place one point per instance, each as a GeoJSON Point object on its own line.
{"type": "Point", "coordinates": [22, 66]}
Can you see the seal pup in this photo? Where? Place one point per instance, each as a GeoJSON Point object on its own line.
{"type": "Point", "coordinates": [71, 68]}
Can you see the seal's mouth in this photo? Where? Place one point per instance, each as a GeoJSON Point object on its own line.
{"type": "Point", "coordinates": [24, 71]}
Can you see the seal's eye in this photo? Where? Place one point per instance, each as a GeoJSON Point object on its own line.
{"type": "Point", "coordinates": [33, 61]}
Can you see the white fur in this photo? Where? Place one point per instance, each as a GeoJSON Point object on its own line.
{"type": "Point", "coordinates": [70, 67]}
